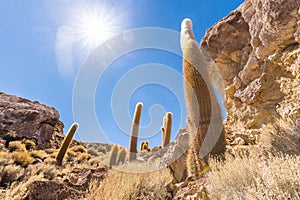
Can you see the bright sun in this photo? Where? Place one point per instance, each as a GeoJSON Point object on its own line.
{"type": "Point", "coordinates": [95, 25]}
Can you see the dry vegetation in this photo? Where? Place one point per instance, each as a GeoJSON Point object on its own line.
{"type": "Point", "coordinates": [125, 185]}
{"type": "Point", "coordinates": [255, 177]}
{"type": "Point", "coordinates": [256, 174]}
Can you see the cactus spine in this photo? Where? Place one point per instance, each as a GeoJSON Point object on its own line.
{"type": "Point", "coordinates": [199, 99]}
{"type": "Point", "coordinates": [121, 156]}
{"type": "Point", "coordinates": [166, 129]}
{"type": "Point", "coordinates": [66, 143]}
{"type": "Point", "coordinates": [113, 155]}
{"type": "Point", "coordinates": [134, 132]}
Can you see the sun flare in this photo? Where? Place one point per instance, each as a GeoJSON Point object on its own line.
{"type": "Point", "coordinates": [95, 24]}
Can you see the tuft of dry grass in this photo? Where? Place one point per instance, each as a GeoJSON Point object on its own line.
{"type": "Point", "coordinates": [125, 185]}
{"type": "Point", "coordinates": [29, 144]}
{"type": "Point", "coordinates": [16, 146]}
{"type": "Point", "coordinates": [255, 177]}
{"type": "Point", "coordinates": [22, 158]}
{"type": "Point", "coordinates": [78, 149]}
{"type": "Point", "coordinates": [38, 154]}
{"type": "Point", "coordinates": [9, 174]}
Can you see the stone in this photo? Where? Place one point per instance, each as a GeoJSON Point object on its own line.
{"type": "Point", "coordinates": [29, 119]}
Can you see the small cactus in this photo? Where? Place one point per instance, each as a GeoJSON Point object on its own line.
{"type": "Point", "coordinates": [121, 156]}
{"type": "Point", "coordinates": [66, 143]}
{"type": "Point", "coordinates": [166, 129]}
{"type": "Point", "coordinates": [145, 145]}
{"type": "Point", "coordinates": [134, 132]}
{"type": "Point", "coordinates": [113, 155]}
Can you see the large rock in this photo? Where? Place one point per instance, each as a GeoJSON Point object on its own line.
{"type": "Point", "coordinates": [256, 50]}
{"type": "Point", "coordinates": [29, 119]}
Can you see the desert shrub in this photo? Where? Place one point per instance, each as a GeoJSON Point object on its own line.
{"type": "Point", "coordinates": [9, 174]}
{"type": "Point", "coordinates": [29, 144]}
{"type": "Point", "coordinates": [255, 177]}
{"type": "Point", "coordinates": [93, 152]}
{"type": "Point", "coordinates": [50, 161]}
{"type": "Point", "coordinates": [38, 154]}
{"type": "Point", "coordinates": [50, 151]}
{"type": "Point", "coordinates": [94, 162]}
{"type": "Point", "coordinates": [83, 157]}
{"type": "Point", "coordinates": [19, 190]}
{"type": "Point", "coordinates": [22, 158]}
{"type": "Point", "coordinates": [10, 136]}
{"type": "Point", "coordinates": [16, 146]}
{"type": "Point", "coordinates": [5, 159]}
{"type": "Point", "coordinates": [102, 149]}
{"type": "Point", "coordinates": [46, 171]}
{"type": "Point", "coordinates": [79, 148]}
{"type": "Point", "coordinates": [124, 185]}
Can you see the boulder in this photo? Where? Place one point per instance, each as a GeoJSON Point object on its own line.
{"type": "Point", "coordinates": [29, 119]}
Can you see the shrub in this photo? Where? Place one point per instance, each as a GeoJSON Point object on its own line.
{"type": "Point", "coordinates": [9, 174]}
{"type": "Point", "coordinates": [5, 159]}
{"type": "Point", "coordinates": [38, 154]}
{"type": "Point", "coordinates": [29, 144]}
{"type": "Point", "coordinates": [16, 146]}
{"type": "Point", "coordinates": [255, 177]}
{"type": "Point", "coordinates": [79, 148]}
{"type": "Point", "coordinates": [101, 149]}
{"type": "Point", "coordinates": [22, 158]}
{"type": "Point", "coordinates": [93, 152]}
{"type": "Point", "coordinates": [124, 185]}
{"type": "Point", "coordinates": [83, 157]}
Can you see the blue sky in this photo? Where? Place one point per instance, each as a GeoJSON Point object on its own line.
{"type": "Point", "coordinates": [43, 48]}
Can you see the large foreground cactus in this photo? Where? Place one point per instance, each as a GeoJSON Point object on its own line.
{"type": "Point", "coordinates": [134, 132]}
{"type": "Point", "coordinates": [66, 143]}
{"type": "Point", "coordinates": [199, 98]}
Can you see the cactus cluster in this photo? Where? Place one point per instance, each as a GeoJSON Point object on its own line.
{"type": "Point", "coordinates": [66, 143]}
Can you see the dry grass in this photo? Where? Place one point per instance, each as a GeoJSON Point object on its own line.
{"type": "Point", "coordinates": [9, 174]}
{"type": "Point", "coordinates": [22, 158]}
{"type": "Point", "coordinates": [38, 154]}
{"type": "Point", "coordinates": [16, 146]}
{"type": "Point", "coordinates": [255, 177]}
{"type": "Point", "coordinates": [123, 185]}
{"type": "Point", "coordinates": [78, 148]}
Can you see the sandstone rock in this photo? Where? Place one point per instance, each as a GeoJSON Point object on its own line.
{"type": "Point", "coordinates": [29, 119]}
{"type": "Point", "coordinates": [256, 50]}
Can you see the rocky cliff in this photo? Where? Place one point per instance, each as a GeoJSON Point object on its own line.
{"type": "Point", "coordinates": [256, 50]}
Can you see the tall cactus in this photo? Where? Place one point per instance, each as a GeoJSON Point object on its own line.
{"type": "Point", "coordinates": [166, 129]}
{"type": "Point", "coordinates": [66, 143]}
{"type": "Point", "coordinates": [134, 132]}
{"type": "Point", "coordinates": [121, 156]}
{"type": "Point", "coordinates": [113, 155]}
{"type": "Point", "coordinates": [199, 99]}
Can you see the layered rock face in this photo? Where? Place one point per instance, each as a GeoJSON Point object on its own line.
{"type": "Point", "coordinates": [256, 50]}
{"type": "Point", "coordinates": [29, 119]}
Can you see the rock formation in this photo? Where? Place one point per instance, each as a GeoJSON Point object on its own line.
{"type": "Point", "coordinates": [29, 119]}
{"type": "Point", "coordinates": [256, 50]}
